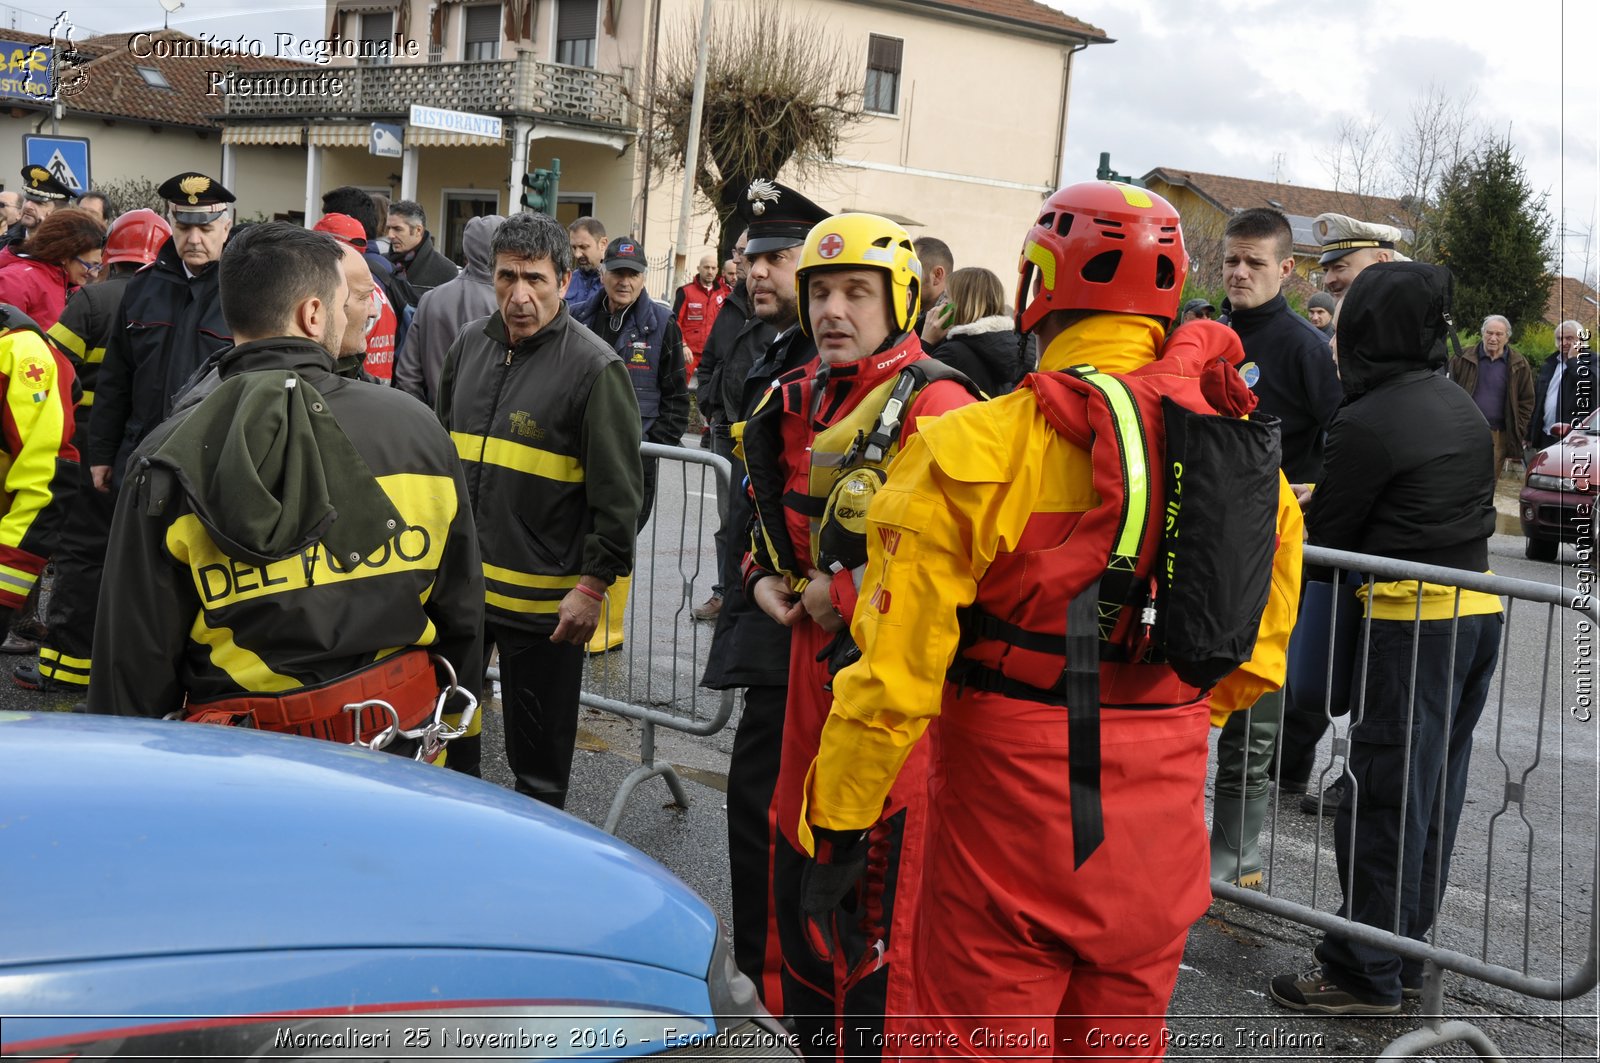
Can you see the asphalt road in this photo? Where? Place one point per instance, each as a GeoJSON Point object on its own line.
{"type": "Point", "coordinates": [1521, 891]}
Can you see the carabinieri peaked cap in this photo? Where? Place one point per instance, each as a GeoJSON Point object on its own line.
{"type": "Point", "coordinates": [776, 216]}
{"type": "Point", "coordinates": [196, 199]}
{"type": "Point", "coordinates": [40, 185]}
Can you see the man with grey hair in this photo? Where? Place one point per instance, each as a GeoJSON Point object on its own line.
{"type": "Point", "coordinates": [1500, 381]}
{"type": "Point", "coordinates": [411, 249]}
{"type": "Point", "coordinates": [1563, 392]}
{"type": "Point", "coordinates": [547, 428]}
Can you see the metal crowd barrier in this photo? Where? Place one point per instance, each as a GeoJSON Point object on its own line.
{"type": "Point", "coordinates": [654, 677]}
{"type": "Point", "coordinates": [1536, 816]}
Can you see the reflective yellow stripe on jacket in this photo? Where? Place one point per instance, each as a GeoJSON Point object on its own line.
{"type": "Point", "coordinates": [521, 592]}
{"type": "Point", "coordinates": [75, 344]}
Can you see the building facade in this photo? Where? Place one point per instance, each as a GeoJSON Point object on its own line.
{"type": "Point", "coordinates": [568, 80]}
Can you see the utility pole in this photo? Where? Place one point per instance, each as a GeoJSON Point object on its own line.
{"type": "Point", "coordinates": [692, 154]}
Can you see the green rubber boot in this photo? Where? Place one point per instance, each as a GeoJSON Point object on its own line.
{"type": "Point", "coordinates": [1236, 838]}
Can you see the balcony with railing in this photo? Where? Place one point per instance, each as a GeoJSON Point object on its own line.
{"type": "Point", "coordinates": [553, 91]}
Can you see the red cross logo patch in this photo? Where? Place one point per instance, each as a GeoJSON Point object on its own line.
{"type": "Point", "coordinates": [35, 372]}
{"type": "Point", "coordinates": [830, 245]}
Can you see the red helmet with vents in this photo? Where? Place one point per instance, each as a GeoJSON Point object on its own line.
{"type": "Point", "coordinates": [136, 236]}
{"type": "Point", "coordinates": [1102, 245]}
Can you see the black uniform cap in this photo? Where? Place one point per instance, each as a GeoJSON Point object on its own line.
{"type": "Point", "coordinates": [41, 185]}
{"type": "Point", "coordinates": [776, 216]}
{"type": "Point", "coordinates": [195, 198]}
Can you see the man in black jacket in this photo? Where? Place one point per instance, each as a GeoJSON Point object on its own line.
{"type": "Point", "coordinates": [1563, 392]}
{"type": "Point", "coordinates": [547, 429]}
{"type": "Point", "coordinates": [1406, 478]}
{"type": "Point", "coordinates": [261, 552]}
{"type": "Point", "coordinates": [1288, 363]}
{"type": "Point", "coordinates": [1290, 367]}
{"type": "Point", "coordinates": [738, 339]}
{"type": "Point", "coordinates": [411, 248]}
{"type": "Point", "coordinates": [749, 649]}
{"type": "Point", "coordinates": [169, 324]}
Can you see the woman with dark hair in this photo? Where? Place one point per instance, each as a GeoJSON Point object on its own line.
{"type": "Point", "coordinates": [971, 332]}
{"type": "Point", "coordinates": [63, 254]}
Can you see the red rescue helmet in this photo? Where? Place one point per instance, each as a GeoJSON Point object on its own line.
{"type": "Point", "coordinates": [1102, 245]}
{"type": "Point", "coordinates": [136, 236]}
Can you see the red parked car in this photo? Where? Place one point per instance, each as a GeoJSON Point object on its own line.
{"type": "Point", "coordinates": [1557, 502]}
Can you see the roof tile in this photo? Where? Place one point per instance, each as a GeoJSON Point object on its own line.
{"type": "Point", "coordinates": [116, 89]}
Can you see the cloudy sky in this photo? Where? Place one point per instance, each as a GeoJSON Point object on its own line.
{"type": "Point", "coordinates": [1248, 88]}
{"type": "Point", "coordinates": [1260, 88]}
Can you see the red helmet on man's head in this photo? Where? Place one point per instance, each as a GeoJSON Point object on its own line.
{"type": "Point", "coordinates": [136, 236]}
{"type": "Point", "coordinates": [1102, 245]}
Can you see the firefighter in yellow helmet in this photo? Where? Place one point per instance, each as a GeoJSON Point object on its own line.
{"type": "Point", "coordinates": [816, 448]}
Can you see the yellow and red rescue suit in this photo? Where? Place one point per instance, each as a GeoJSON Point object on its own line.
{"type": "Point", "coordinates": [821, 414]}
{"type": "Point", "coordinates": [982, 507]}
{"type": "Point", "coordinates": [37, 459]}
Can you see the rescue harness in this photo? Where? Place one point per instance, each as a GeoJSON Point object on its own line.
{"type": "Point", "coordinates": [398, 697]}
{"type": "Point", "coordinates": [849, 460]}
{"type": "Point", "coordinates": [1186, 590]}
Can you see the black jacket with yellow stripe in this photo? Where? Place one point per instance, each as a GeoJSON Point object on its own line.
{"type": "Point", "coordinates": [548, 430]}
{"type": "Point", "coordinates": [83, 331]}
{"type": "Point", "coordinates": [230, 567]}
{"type": "Point", "coordinates": [38, 463]}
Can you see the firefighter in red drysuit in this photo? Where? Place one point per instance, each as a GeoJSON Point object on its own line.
{"type": "Point", "coordinates": [815, 448]}
{"type": "Point", "coordinates": [990, 525]}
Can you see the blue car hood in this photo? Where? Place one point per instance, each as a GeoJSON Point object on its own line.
{"type": "Point", "coordinates": [147, 837]}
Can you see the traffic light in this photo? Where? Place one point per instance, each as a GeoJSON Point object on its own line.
{"type": "Point", "coordinates": [541, 188]}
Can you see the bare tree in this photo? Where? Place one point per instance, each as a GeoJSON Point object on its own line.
{"type": "Point", "coordinates": [1202, 238]}
{"type": "Point", "coordinates": [1440, 132]}
{"type": "Point", "coordinates": [1356, 162]}
{"type": "Point", "coordinates": [777, 90]}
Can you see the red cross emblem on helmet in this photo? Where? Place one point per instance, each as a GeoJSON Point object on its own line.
{"type": "Point", "coordinates": [830, 245]}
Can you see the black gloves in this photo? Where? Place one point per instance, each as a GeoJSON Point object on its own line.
{"type": "Point", "coordinates": [831, 878]}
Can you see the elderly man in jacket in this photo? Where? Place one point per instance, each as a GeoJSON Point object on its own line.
{"type": "Point", "coordinates": [1500, 381]}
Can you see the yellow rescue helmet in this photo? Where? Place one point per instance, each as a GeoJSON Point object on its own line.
{"type": "Point", "coordinates": [864, 241]}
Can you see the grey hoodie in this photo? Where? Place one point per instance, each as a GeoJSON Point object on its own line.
{"type": "Point", "coordinates": [443, 311]}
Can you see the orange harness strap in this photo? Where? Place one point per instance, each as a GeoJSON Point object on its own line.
{"type": "Point", "coordinates": [405, 681]}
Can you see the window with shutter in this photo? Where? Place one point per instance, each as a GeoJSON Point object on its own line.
{"type": "Point", "coordinates": [883, 75]}
{"type": "Point", "coordinates": [480, 37]}
{"type": "Point", "coordinates": [376, 33]}
{"type": "Point", "coordinates": [576, 22]}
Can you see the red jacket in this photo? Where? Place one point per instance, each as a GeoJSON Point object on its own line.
{"type": "Point", "coordinates": [38, 289]}
{"type": "Point", "coordinates": [696, 307]}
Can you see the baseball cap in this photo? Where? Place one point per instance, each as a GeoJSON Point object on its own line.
{"type": "Point", "coordinates": [344, 228]}
{"type": "Point", "coordinates": [625, 253]}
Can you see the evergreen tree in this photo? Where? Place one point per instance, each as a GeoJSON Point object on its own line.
{"type": "Point", "coordinates": [1494, 233]}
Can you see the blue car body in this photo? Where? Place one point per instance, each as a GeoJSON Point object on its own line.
{"type": "Point", "coordinates": [199, 890]}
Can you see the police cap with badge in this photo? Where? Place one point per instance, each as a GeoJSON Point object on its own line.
{"type": "Point", "coordinates": [42, 186]}
{"type": "Point", "coordinates": [195, 198]}
{"type": "Point", "coordinates": [776, 216]}
{"type": "Point", "coordinates": [1340, 234]}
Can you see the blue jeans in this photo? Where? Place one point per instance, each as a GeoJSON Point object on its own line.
{"type": "Point", "coordinates": [1402, 859]}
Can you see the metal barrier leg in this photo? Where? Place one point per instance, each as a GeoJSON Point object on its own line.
{"type": "Point", "coordinates": [1442, 1033]}
{"type": "Point", "coordinates": [647, 769]}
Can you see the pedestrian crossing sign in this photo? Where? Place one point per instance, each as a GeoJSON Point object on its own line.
{"type": "Point", "coordinates": [65, 157]}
